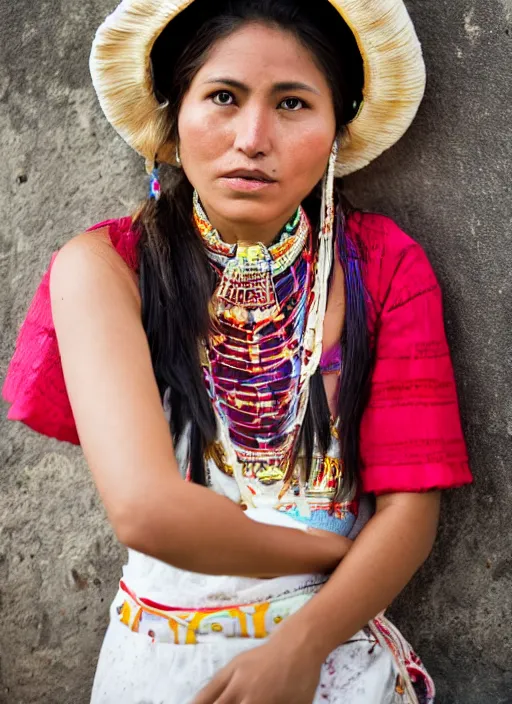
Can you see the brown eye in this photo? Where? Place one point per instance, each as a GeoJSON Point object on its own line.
{"type": "Point", "coordinates": [222, 97]}
{"type": "Point", "coordinates": [292, 104]}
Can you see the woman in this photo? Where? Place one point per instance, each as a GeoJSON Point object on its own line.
{"type": "Point", "coordinates": [296, 349]}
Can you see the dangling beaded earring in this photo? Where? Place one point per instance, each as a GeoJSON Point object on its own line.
{"type": "Point", "coordinates": [178, 159]}
{"type": "Point", "coordinates": [327, 215]}
{"type": "Point", "coordinates": [326, 248]}
{"type": "Point", "coordinates": [154, 183]}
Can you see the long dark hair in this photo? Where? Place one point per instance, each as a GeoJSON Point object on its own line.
{"type": "Point", "coordinates": [176, 281]}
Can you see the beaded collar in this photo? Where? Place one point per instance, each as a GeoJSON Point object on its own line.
{"type": "Point", "coordinates": [248, 272]}
{"type": "Point", "coordinates": [278, 256]}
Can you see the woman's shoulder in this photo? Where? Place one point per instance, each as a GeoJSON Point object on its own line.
{"type": "Point", "coordinates": [119, 234]}
{"type": "Point", "coordinates": [93, 262]}
{"type": "Point", "coordinates": [115, 240]}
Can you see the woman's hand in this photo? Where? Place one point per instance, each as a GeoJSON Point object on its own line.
{"type": "Point", "coordinates": [281, 670]}
{"type": "Point", "coordinates": [336, 544]}
{"type": "Point", "coordinates": [268, 674]}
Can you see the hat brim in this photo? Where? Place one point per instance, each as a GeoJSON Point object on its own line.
{"type": "Point", "coordinates": [394, 76]}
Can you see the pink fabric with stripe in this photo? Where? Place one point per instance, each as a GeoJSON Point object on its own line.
{"type": "Point", "coordinates": [411, 436]}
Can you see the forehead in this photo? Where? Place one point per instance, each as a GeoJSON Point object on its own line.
{"type": "Point", "coordinates": [263, 54]}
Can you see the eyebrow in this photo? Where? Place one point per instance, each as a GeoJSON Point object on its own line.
{"type": "Point", "coordinates": [276, 88]}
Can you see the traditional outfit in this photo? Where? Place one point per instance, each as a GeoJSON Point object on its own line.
{"type": "Point", "coordinates": [171, 630]}
{"type": "Point", "coordinates": [411, 440]}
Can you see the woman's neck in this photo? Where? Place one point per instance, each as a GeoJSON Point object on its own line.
{"type": "Point", "coordinates": [233, 232]}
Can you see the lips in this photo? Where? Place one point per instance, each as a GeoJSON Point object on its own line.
{"type": "Point", "coordinates": [250, 175]}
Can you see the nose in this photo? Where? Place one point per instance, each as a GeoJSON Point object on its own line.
{"type": "Point", "coordinates": [253, 131]}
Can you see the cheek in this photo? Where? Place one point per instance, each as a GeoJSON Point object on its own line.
{"type": "Point", "coordinates": [200, 133]}
{"type": "Point", "coordinates": [307, 156]}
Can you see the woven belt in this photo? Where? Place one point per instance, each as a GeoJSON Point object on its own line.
{"type": "Point", "coordinates": [183, 626]}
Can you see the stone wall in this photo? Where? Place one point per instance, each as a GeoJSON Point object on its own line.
{"type": "Point", "coordinates": [447, 183]}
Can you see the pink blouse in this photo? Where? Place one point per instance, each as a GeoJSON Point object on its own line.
{"type": "Point", "coordinates": [411, 437]}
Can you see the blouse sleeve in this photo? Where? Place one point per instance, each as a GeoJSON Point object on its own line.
{"type": "Point", "coordinates": [34, 384]}
{"type": "Point", "coordinates": [411, 437]}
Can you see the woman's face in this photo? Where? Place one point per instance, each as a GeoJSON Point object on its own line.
{"type": "Point", "coordinates": [258, 102]}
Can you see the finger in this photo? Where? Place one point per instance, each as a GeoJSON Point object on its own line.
{"type": "Point", "coordinates": [211, 693]}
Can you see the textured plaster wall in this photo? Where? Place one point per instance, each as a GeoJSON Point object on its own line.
{"type": "Point", "coordinates": [447, 183]}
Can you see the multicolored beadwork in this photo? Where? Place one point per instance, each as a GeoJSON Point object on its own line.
{"type": "Point", "coordinates": [255, 355]}
{"type": "Point", "coordinates": [154, 185]}
{"type": "Point", "coordinates": [279, 256]}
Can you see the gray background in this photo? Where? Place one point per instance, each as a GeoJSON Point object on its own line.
{"type": "Point", "coordinates": [446, 183]}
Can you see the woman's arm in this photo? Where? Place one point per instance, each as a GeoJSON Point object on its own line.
{"type": "Point", "coordinates": [126, 439]}
{"type": "Point", "coordinates": [386, 554]}
{"type": "Point", "coordinates": [384, 557]}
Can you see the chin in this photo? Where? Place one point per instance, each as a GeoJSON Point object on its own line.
{"type": "Point", "coordinates": [248, 209]}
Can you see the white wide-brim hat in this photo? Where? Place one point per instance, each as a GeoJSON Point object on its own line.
{"type": "Point", "coordinates": [394, 76]}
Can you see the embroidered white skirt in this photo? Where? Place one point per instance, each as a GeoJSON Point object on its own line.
{"type": "Point", "coordinates": [164, 644]}
{"type": "Point", "coordinates": [134, 670]}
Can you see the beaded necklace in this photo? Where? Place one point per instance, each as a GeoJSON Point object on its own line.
{"type": "Point", "coordinates": [254, 357]}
